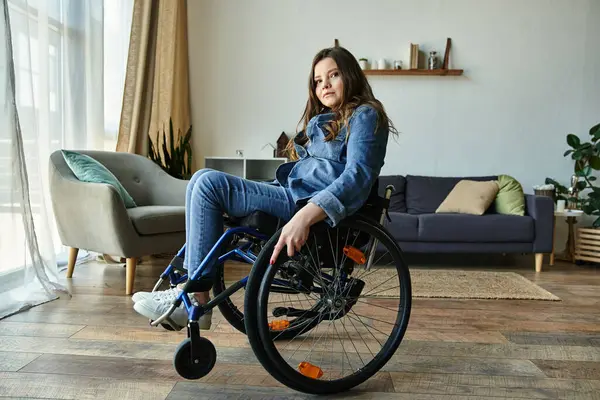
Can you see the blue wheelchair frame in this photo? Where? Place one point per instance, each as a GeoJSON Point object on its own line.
{"type": "Point", "coordinates": [241, 253]}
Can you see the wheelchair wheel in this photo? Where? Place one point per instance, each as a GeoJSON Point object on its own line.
{"type": "Point", "coordinates": [362, 308]}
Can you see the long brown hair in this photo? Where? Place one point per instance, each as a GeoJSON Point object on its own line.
{"type": "Point", "coordinates": [356, 91]}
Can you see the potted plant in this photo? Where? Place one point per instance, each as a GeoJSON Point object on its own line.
{"type": "Point", "coordinates": [177, 160]}
{"type": "Point", "coordinates": [586, 155]}
{"type": "Point", "coordinates": [364, 63]}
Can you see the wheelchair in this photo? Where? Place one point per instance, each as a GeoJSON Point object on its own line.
{"type": "Point", "coordinates": [294, 309]}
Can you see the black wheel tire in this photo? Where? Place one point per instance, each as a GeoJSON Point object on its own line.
{"type": "Point", "coordinates": [265, 350]}
{"type": "Point", "coordinates": [182, 360]}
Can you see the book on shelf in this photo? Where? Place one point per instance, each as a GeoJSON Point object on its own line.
{"type": "Point", "coordinates": [414, 56]}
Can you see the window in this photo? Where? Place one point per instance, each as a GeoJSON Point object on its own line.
{"type": "Point", "coordinates": [32, 69]}
{"type": "Point", "coordinates": [62, 79]}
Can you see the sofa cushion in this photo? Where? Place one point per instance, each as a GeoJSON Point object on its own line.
{"type": "Point", "coordinates": [397, 201]}
{"type": "Point", "coordinates": [469, 197]}
{"type": "Point", "coordinates": [511, 198]}
{"type": "Point", "coordinates": [87, 169]}
{"type": "Point", "coordinates": [404, 227]}
{"type": "Point", "coordinates": [475, 228]}
{"type": "Point", "coordinates": [152, 220]}
{"type": "Point", "coordinates": [424, 194]}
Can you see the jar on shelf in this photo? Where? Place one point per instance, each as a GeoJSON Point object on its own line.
{"type": "Point", "coordinates": [432, 62]}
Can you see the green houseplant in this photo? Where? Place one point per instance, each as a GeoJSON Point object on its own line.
{"type": "Point", "coordinates": [586, 155]}
{"type": "Point", "coordinates": [176, 157]}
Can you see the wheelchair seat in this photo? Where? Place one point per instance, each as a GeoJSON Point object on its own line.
{"type": "Point", "coordinates": [258, 220]}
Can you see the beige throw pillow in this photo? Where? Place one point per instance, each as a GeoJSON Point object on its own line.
{"type": "Point", "coordinates": [469, 197]}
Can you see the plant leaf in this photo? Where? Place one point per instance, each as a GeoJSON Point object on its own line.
{"type": "Point", "coordinates": [567, 152]}
{"type": "Point", "coordinates": [584, 172]}
{"type": "Point", "coordinates": [573, 141]}
{"type": "Point", "coordinates": [171, 139]}
{"type": "Point", "coordinates": [187, 137]}
{"type": "Point", "coordinates": [166, 152]}
{"type": "Point", "coordinates": [151, 149]}
{"type": "Point", "coordinates": [581, 185]}
{"type": "Point", "coordinates": [595, 131]}
{"type": "Point", "coordinates": [177, 153]}
{"type": "Point", "coordinates": [594, 203]}
{"type": "Point", "coordinates": [595, 162]}
{"type": "Point", "coordinates": [594, 195]}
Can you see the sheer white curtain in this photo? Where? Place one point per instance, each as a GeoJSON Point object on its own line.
{"type": "Point", "coordinates": [53, 95]}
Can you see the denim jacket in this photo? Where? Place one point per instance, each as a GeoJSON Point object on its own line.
{"type": "Point", "coordinates": [337, 175]}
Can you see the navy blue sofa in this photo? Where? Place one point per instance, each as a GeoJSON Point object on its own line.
{"type": "Point", "coordinates": [418, 229]}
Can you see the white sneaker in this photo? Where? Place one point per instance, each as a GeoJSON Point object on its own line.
{"type": "Point", "coordinates": [153, 308]}
{"type": "Point", "coordinates": [168, 295]}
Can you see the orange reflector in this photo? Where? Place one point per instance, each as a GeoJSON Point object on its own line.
{"type": "Point", "coordinates": [309, 370]}
{"type": "Point", "coordinates": [279, 325]}
{"type": "Point", "coordinates": [355, 254]}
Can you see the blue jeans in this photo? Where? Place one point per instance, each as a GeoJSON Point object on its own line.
{"type": "Point", "coordinates": [212, 193]}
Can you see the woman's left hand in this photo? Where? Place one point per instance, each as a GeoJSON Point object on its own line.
{"type": "Point", "coordinates": [295, 233]}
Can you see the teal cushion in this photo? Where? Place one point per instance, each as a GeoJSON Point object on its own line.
{"type": "Point", "coordinates": [86, 169]}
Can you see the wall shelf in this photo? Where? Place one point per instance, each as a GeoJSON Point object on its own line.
{"type": "Point", "coordinates": [421, 72]}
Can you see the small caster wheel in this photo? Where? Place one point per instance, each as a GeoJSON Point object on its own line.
{"type": "Point", "coordinates": [194, 369]}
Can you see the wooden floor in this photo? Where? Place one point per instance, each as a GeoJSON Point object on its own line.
{"type": "Point", "coordinates": [94, 346]}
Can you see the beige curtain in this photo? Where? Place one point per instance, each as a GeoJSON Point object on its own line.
{"type": "Point", "coordinates": [156, 82]}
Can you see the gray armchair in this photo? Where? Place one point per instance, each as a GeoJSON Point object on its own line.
{"type": "Point", "coordinates": [92, 216]}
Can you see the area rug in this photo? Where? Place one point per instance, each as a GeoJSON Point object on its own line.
{"type": "Point", "coordinates": [459, 284]}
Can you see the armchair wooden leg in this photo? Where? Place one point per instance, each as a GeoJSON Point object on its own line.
{"type": "Point", "coordinates": [72, 259]}
{"type": "Point", "coordinates": [539, 260]}
{"type": "Point", "coordinates": [131, 263]}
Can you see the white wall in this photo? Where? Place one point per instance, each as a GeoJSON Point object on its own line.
{"type": "Point", "coordinates": [532, 75]}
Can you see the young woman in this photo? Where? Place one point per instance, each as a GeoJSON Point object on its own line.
{"type": "Point", "coordinates": [336, 158]}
